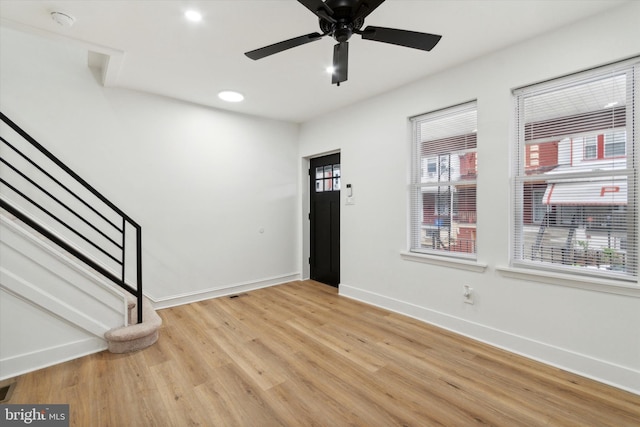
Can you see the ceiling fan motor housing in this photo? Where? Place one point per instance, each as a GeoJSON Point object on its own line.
{"type": "Point", "coordinates": [341, 30]}
{"type": "Point", "coordinates": [343, 13]}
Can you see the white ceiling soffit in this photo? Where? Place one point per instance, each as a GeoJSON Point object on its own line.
{"type": "Point", "coordinates": [106, 60]}
{"type": "Point", "coordinates": [149, 46]}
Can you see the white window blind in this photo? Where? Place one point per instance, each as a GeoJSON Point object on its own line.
{"type": "Point", "coordinates": [581, 130]}
{"type": "Point", "coordinates": [443, 185]}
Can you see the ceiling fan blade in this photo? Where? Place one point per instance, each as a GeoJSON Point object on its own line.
{"type": "Point", "coordinates": [413, 39]}
{"type": "Point", "coordinates": [284, 45]}
{"type": "Point", "coordinates": [319, 8]}
{"type": "Point", "coordinates": [340, 63]}
{"type": "Point", "coordinates": [366, 7]}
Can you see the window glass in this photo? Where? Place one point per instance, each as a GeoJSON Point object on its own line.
{"type": "Point", "coordinates": [328, 178]}
{"type": "Point", "coordinates": [336, 177]}
{"type": "Point", "coordinates": [443, 190]}
{"type": "Point", "coordinates": [575, 208]}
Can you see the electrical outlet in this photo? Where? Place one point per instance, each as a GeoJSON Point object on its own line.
{"type": "Point", "coordinates": [468, 294]}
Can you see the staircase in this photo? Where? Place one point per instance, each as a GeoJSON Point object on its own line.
{"type": "Point", "coordinates": [81, 286]}
{"type": "Point", "coordinates": [68, 255]}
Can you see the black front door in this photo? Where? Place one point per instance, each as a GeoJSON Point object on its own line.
{"type": "Point", "coordinates": [325, 219]}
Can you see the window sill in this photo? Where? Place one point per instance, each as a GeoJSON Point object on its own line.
{"type": "Point", "coordinates": [444, 261]}
{"type": "Point", "coordinates": [573, 281]}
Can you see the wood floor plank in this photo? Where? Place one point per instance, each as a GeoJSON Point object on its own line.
{"type": "Point", "coordinates": [240, 400]}
{"type": "Point", "coordinates": [298, 354]}
{"type": "Point", "coordinates": [245, 357]}
{"type": "Point", "coordinates": [341, 347]}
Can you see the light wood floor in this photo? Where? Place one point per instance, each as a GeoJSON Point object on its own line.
{"type": "Point", "coordinates": [300, 355]}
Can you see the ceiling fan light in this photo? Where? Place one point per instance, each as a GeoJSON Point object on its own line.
{"type": "Point", "coordinates": [231, 96]}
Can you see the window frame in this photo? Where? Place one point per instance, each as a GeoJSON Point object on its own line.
{"type": "Point", "coordinates": [590, 142]}
{"type": "Point", "coordinates": [630, 69]}
{"type": "Point", "coordinates": [615, 143]}
{"type": "Point", "coordinates": [444, 162]}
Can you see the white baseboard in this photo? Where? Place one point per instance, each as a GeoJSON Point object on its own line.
{"type": "Point", "coordinates": [190, 297]}
{"type": "Point", "coordinates": [584, 365]}
{"type": "Point", "coordinates": [42, 358]}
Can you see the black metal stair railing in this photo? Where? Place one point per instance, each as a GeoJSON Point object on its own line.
{"type": "Point", "coordinates": [45, 194]}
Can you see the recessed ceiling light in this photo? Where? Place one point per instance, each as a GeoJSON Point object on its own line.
{"type": "Point", "coordinates": [230, 96]}
{"type": "Point", "coordinates": [193, 15]}
{"type": "Point", "coordinates": [330, 69]}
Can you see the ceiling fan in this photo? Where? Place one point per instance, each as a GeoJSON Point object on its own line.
{"type": "Point", "coordinates": [341, 19]}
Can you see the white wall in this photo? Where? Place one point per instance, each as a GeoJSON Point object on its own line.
{"type": "Point", "coordinates": [587, 331]}
{"type": "Point", "coordinates": [202, 183]}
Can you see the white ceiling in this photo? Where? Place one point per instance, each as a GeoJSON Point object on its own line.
{"type": "Point", "coordinates": [154, 49]}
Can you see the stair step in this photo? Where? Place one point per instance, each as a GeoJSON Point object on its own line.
{"type": "Point", "coordinates": [136, 336]}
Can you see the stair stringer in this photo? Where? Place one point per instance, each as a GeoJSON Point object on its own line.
{"type": "Point", "coordinates": [80, 306]}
